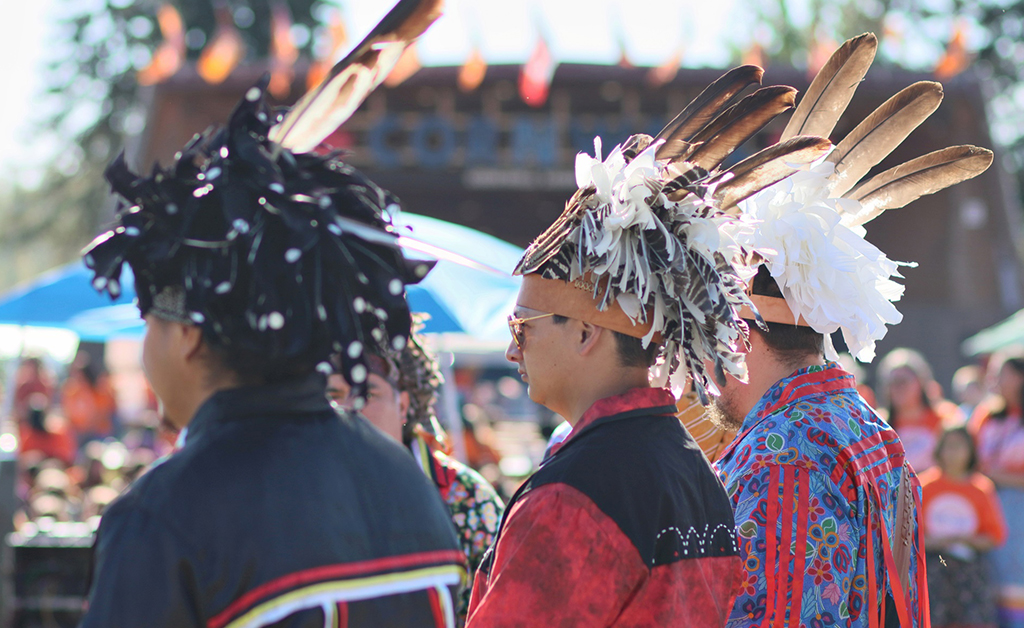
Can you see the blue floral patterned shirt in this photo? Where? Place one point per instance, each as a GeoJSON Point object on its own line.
{"type": "Point", "coordinates": [808, 474]}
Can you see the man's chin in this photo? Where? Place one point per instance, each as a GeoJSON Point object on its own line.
{"type": "Point", "coordinates": [721, 418]}
{"type": "Point", "coordinates": [536, 396]}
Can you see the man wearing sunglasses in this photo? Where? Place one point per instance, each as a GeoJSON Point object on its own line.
{"type": "Point", "coordinates": [624, 524]}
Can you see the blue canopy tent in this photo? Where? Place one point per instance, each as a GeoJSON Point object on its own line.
{"type": "Point", "coordinates": [54, 298]}
{"type": "Point", "coordinates": [122, 319]}
{"type": "Point", "coordinates": [478, 300]}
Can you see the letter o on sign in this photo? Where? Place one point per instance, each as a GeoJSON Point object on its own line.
{"type": "Point", "coordinates": [380, 141]}
{"type": "Point", "coordinates": [433, 142]}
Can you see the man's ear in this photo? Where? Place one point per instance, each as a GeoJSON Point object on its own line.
{"type": "Point", "coordinates": [589, 336]}
{"type": "Point", "coordinates": [403, 405]}
{"type": "Point", "coordinates": [755, 339]}
{"type": "Point", "coordinates": [190, 340]}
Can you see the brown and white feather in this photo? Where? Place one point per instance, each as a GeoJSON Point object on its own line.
{"type": "Point", "coordinates": [766, 168]}
{"type": "Point", "coordinates": [326, 107]}
{"type": "Point", "coordinates": [909, 181]}
{"type": "Point", "coordinates": [738, 124]}
{"type": "Point", "coordinates": [832, 88]}
{"type": "Point", "coordinates": [703, 109]}
{"type": "Point", "coordinates": [872, 140]}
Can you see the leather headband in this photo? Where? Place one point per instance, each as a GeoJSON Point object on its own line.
{"type": "Point", "coordinates": [575, 300]}
{"type": "Point", "coordinates": [772, 310]}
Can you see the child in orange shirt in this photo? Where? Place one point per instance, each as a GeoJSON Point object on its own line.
{"type": "Point", "coordinates": [963, 520]}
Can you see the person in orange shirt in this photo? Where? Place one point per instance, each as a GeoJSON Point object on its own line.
{"type": "Point", "coordinates": [963, 521]}
{"type": "Point", "coordinates": [913, 404]}
{"type": "Point", "coordinates": [87, 400]}
{"type": "Point", "coordinates": [46, 433]}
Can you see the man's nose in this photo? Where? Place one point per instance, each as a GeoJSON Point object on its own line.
{"type": "Point", "coordinates": [513, 354]}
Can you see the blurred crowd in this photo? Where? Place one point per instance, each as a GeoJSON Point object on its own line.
{"type": "Point", "coordinates": [967, 446]}
{"type": "Point", "coordinates": [75, 454]}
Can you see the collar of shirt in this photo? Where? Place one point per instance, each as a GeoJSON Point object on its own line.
{"type": "Point", "coordinates": [816, 380]}
{"type": "Point", "coordinates": [636, 401]}
{"type": "Point", "coordinates": [301, 396]}
{"type": "Point", "coordinates": [432, 462]}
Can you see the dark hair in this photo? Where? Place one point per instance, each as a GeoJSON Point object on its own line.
{"type": "Point", "coordinates": [793, 341]}
{"type": "Point", "coordinates": [254, 369]}
{"type": "Point", "coordinates": [261, 262]}
{"type": "Point", "coordinates": [37, 419]}
{"type": "Point", "coordinates": [631, 351]}
{"type": "Point", "coordinates": [972, 462]}
{"type": "Point", "coordinates": [913, 361]}
{"type": "Point", "coordinates": [1016, 362]}
{"type": "Point", "coordinates": [90, 373]}
{"type": "Point", "coordinates": [38, 405]}
{"type": "Point", "coordinates": [376, 362]}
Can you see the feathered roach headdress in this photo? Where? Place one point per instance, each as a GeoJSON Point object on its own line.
{"type": "Point", "coordinates": [272, 250]}
{"type": "Point", "coordinates": [810, 230]}
{"type": "Point", "coordinates": [642, 247]}
{"type": "Point", "coordinates": [420, 376]}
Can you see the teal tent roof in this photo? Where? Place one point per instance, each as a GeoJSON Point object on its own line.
{"type": "Point", "coordinates": [996, 337]}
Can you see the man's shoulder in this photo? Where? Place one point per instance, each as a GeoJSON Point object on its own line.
{"type": "Point", "coordinates": [142, 510]}
{"type": "Point", "coordinates": [829, 437]}
{"type": "Point", "coordinates": [162, 491]}
{"type": "Point", "coordinates": [152, 485]}
{"type": "Point", "coordinates": [245, 470]}
{"type": "Point", "coordinates": [648, 476]}
{"type": "Point", "coordinates": [239, 446]}
{"type": "Point", "coordinates": [813, 430]}
{"type": "Point", "coordinates": [637, 450]}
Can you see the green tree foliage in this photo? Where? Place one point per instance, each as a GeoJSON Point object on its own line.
{"type": "Point", "coordinates": [96, 106]}
{"type": "Point", "coordinates": [914, 34]}
{"type": "Point", "coordinates": [1003, 57]}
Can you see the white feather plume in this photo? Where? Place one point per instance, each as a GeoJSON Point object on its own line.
{"type": "Point", "coordinates": [829, 274]}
